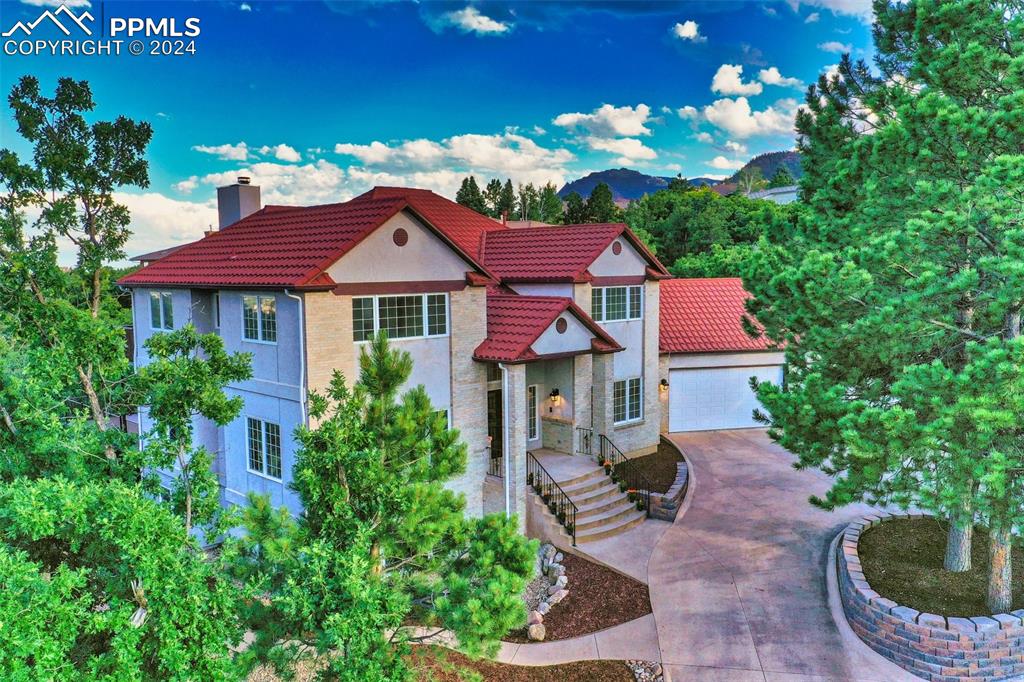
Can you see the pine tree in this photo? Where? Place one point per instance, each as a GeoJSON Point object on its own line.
{"type": "Point", "coordinates": [782, 178]}
{"type": "Point", "coordinates": [507, 201]}
{"type": "Point", "coordinates": [469, 195]}
{"type": "Point", "coordinates": [601, 206]}
{"type": "Point", "coordinates": [899, 294]}
{"type": "Point", "coordinates": [382, 541]}
{"type": "Point", "coordinates": [492, 197]}
{"type": "Point", "coordinates": [551, 210]}
{"type": "Point", "coordinates": [575, 210]}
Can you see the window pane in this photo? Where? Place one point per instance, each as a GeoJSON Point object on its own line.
{"type": "Point", "coordinates": [216, 310]}
{"type": "Point", "coordinates": [268, 318]}
{"type": "Point", "coordinates": [635, 310]}
{"type": "Point", "coordinates": [619, 401]}
{"type": "Point", "coordinates": [273, 444]}
{"type": "Point", "coordinates": [596, 302]}
{"type": "Point", "coordinates": [168, 301]}
{"type": "Point", "coordinates": [635, 399]}
{"type": "Point", "coordinates": [154, 310]}
{"type": "Point", "coordinates": [254, 436]}
{"type": "Point", "coordinates": [437, 315]}
{"type": "Point", "coordinates": [615, 306]}
{"type": "Point", "coordinates": [250, 318]}
{"type": "Point", "coordinates": [401, 316]}
{"type": "Point", "coordinates": [362, 319]}
{"type": "Point", "coordinates": [531, 410]}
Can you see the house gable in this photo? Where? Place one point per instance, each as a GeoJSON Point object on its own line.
{"type": "Point", "coordinates": [628, 262]}
{"type": "Point", "coordinates": [574, 337]}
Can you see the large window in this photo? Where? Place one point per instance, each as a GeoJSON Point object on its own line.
{"type": "Point", "coordinates": [259, 318]}
{"type": "Point", "coordinates": [264, 441]}
{"type": "Point", "coordinates": [628, 400]}
{"type": "Point", "coordinates": [611, 304]}
{"type": "Point", "coordinates": [401, 317]}
{"type": "Point", "coordinates": [161, 310]}
{"type": "Point", "coordinates": [531, 413]}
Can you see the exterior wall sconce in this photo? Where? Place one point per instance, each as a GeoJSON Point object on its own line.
{"type": "Point", "coordinates": [554, 395]}
{"type": "Point", "coordinates": [663, 386]}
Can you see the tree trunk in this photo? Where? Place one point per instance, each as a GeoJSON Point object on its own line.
{"type": "Point", "coordinates": [958, 547]}
{"type": "Point", "coordinates": [1000, 575]}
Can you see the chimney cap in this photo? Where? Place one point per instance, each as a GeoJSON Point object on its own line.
{"type": "Point", "coordinates": [244, 179]}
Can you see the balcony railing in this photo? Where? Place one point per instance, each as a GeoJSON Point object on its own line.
{"type": "Point", "coordinates": [630, 479]}
{"type": "Point", "coordinates": [584, 441]}
{"type": "Point", "coordinates": [496, 465]}
{"type": "Point", "coordinates": [558, 503]}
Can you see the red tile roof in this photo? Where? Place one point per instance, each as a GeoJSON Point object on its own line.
{"type": "Point", "coordinates": [705, 316]}
{"type": "Point", "coordinates": [554, 254]}
{"type": "Point", "coordinates": [515, 322]}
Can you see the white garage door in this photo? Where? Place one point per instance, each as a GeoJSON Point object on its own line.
{"type": "Point", "coordinates": [715, 398]}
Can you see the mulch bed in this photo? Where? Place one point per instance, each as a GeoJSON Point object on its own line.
{"type": "Point", "coordinates": [903, 561]}
{"type": "Point", "coordinates": [598, 599]}
{"type": "Point", "coordinates": [659, 467]}
{"type": "Point", "coordinates": [442, 665]}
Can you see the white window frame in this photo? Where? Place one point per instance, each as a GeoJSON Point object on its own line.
{"type": "Point", "coordinates": [216, 310]}
{"type": "Point", "coordinates": [163, 322]}
{"type": "Point", "coordinates": [627, 404]}
{"type": "Point", "coordinates": [259, 319]}
{"type": "Point", "coordinates": [263, 448]}
{"type": "Point", "coordinates": [532, 413]}
{"type": "Point", "coordinates": [602, 315]}
{"type": "Point", "coordinates": [425, 312]}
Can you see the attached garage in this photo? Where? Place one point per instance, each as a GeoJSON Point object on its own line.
{"type": "Point", "coordinates": [707, 358]}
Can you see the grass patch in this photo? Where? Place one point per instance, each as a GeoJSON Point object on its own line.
{"type": "Point", "coordinates": [659, 467]}
{"type": "Point", "coordinates": [442, 665]}
{"type": "Point", "coordinates": [903, 560]}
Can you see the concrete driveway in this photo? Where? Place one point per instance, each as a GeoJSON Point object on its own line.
{"type": "Point", "coordinates": [738, 582]}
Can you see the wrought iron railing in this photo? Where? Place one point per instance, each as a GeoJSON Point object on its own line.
{"type": "Point", "coordinates": [496, 465]}
{"type": "Point", "coordinates": [584, 441]}
{"type": "Point", "coordinates": [558, 503]}
{"type": "Point", "coordinates": [625, 473]}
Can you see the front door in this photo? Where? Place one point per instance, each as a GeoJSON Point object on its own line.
{"type": "Point", "coordinates": [494, 422]}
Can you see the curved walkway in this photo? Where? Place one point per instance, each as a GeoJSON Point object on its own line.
{"type": "Point", "coordinates": [738, 582]}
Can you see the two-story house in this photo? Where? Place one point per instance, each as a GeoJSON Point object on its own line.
{"type": "Point", "coordinates": [520, 335]}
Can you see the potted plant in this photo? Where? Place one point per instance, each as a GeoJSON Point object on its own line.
{"type": "Point", "coordinates": [640, 504]}
{"type": "Point", "coordinates": [546, 497]}
{"type": "Point", "coordinates": [569, 528]}
{"type": "Point", "coordinates": [622, 486]}
{"type": "Point", "coordinates": [607, 468]}
{"type": "Point", "coordinates": [529, 479]}
{"type": "Point", "coordinates": [561, 516]}
{"type": "Point", "coordinates": [632, 495]}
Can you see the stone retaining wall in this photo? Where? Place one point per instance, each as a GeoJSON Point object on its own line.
{"type": "Point", "coordinates": [933, 647]}
{"type": "Point", "coordinates": [665, 506]}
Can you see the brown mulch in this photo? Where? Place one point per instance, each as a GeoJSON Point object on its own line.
{"type": "Point", "coordinates": [903, 561]}
{"type": "Point", "coordinates": [598, 599]}
{"type": "Point", "coordinates": [659, 467]}
{"type": "Point", "coordinates": [441, 665]}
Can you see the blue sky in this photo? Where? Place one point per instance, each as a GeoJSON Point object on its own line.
{"type": "Point", "coordinates": [320, 100]}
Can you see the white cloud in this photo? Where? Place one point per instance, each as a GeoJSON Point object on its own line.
{"type": "Point", "coordinates": [537, 130]}
{"type": "Point", "coordinates": [770, 11]}
{"type": "Point", "coordinates": [673, 167]}
{"type": "Point", "coordinates": [688, 30]}
{"type": "Point", "coordinates": [688, 113]}
{"type": "Point", "coordinates": [704, 137]}
{"type": "Point", "coordinates": [187, 185]}
{"type": "Point", "coordinates": [735, 117]}
{"type": "Point", "coordinates": [735, 147]}
{"type": "Point", "coordinates": [834, 46]}
{"type": "Point", "coordinates": [812, 18]}
{"type": "Point", "coordinates": [226, 152]}
{"type": "Point", "coordinates": [158, 222]}
{"type": "Point", "coordinates": [630, 149]}
{"type": "Point", "coordinates": [714, 176]}
{"type": "Point", "coordinates": [319, 182]}
{"type": "Point", "coordinates": [609, 121]}
{"type": "Point", "coordinates": [469, 20]}
{"type": "Point", "coordinates": [772, 76]}
{"type": "Point", "coordinates": [722, 163]}
{"type": "Point", "coordinates": [245, 7]}
{"type": "Point", "coordinates": [831, 71]}
{"type": "Point", "coordinates": [728, 80]}
{"type": "Point", "coordinates": [73, 4]}
{"type": "Point", "coordinates": [282, 152]}
{"type": "Point", "coordinates": [861, 9]}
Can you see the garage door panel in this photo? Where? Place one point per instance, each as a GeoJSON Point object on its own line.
{"type": "Point", "coordinates": [716, 398]}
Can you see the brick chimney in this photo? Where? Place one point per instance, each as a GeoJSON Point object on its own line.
{"type": "Point", "coordinates": [236, 201]}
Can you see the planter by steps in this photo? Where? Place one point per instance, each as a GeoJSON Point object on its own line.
{"type": "Point", "coordinates": [934, 647]}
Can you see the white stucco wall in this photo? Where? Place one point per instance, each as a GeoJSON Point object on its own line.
{"type": "Point", "coordinates": [563, 289]}
{"type": "Point", "coordinates": [576, 337]}
{"type": "Point", "coordinates": [750, 359]}
{"type": "Point", "coordinates": [626, 262]}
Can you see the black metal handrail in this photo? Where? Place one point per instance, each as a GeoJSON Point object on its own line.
{"type": "Point", "coordinates": [558, 503]}
{"type": "Point", "coordinates": [630, 479]}
{"type": "Point", "coordinates": [584, 441]}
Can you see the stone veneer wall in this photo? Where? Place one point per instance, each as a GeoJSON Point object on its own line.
{"type": "Point", "coordinates": [665, 506]}
{"type": "Point", "coordinates": [329, 344]}
{"type": "Point", "coordinates": [557, 434]}
{"type": "Point", "coordinates": [933, 647]}
{"type": "Point", "coordinates": [642, 438]}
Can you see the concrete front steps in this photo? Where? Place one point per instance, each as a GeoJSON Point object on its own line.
{"type": "Point", "coordinates": [602, 510]}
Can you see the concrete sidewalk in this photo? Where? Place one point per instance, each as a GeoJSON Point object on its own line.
{"type": "Point", "coordinates": [738, 582]}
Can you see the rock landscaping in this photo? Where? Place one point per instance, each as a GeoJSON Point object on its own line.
{"type": "Point", "coordinates": [935, 647]}
{"type": "Point", "coordinates": [571, 597]}
{"type": "Point", "coordinates": [646, 671]}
